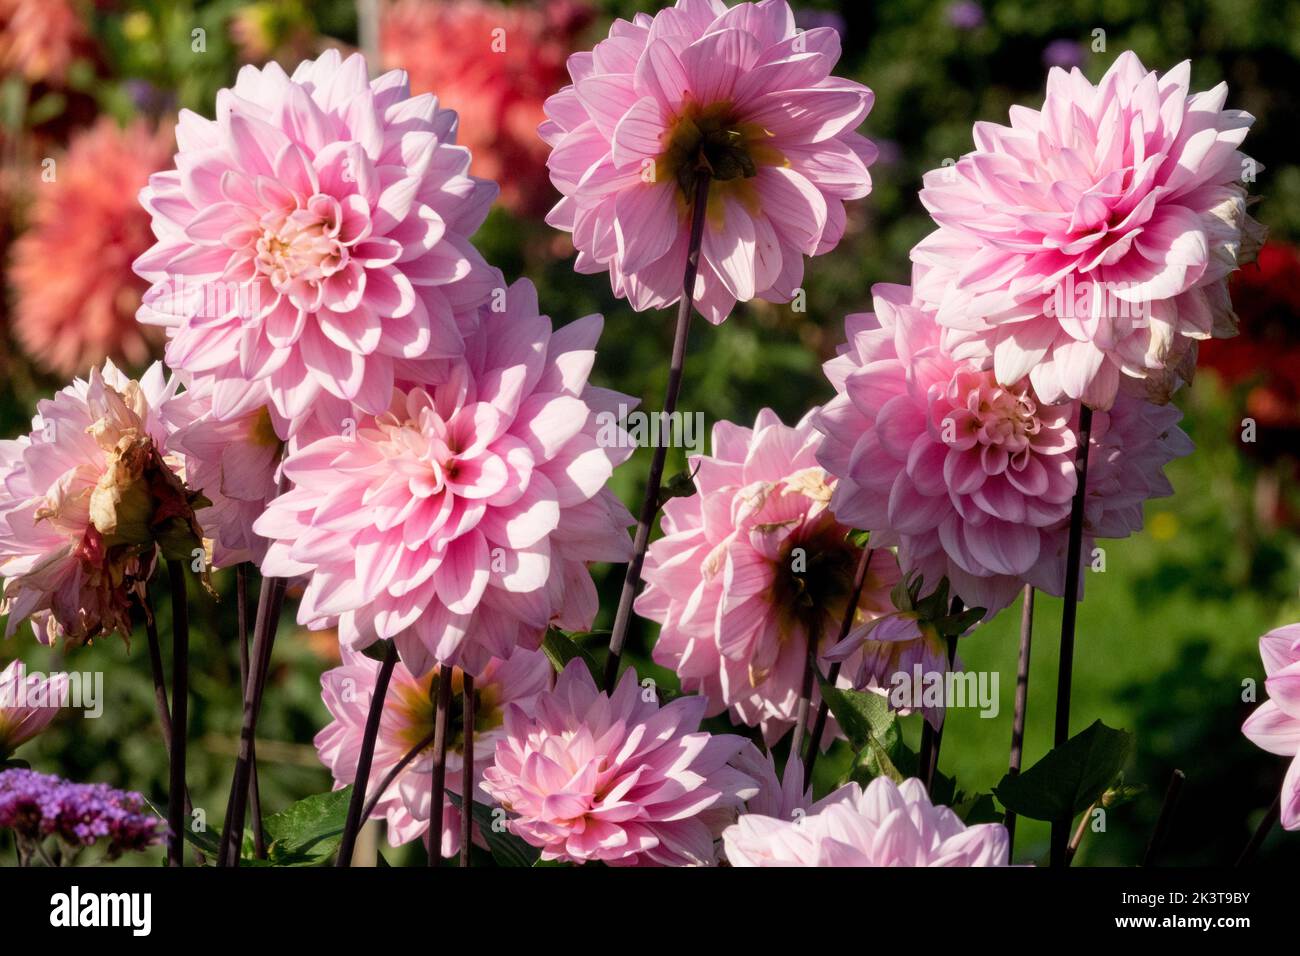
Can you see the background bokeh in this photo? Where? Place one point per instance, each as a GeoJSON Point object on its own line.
{"type": "Point", "coordinates": [1167, 634]}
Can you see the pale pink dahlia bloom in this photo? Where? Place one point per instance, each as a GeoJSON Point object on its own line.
{"type": "Point", "coordinates": [739, 90]}
{"type": "Point", "coordinates": [887, 824]}
{"type": "Point", "coordinates": [234, 462]}
{"type": "Point", "coordinates": [28, 703]}
{"type": "Point", "coordinates": [1275, 725]}
{"type": "Point", "coordinates": [971, 479]}
{"type": "Point", "coordinates": [314, 236]}
{"type": "Point", "coordinates": [616, 778]}
{"type": "Point", "coordinates": [408, 721]}
{"type": "Point", "coordinates": [1092, 239]}
{"type": "Point", "coordinates": [79, 500]}
{"type": "Point", "coordinates": [461, 520]}
{"type": "Point", "coordinates": [752, 565]}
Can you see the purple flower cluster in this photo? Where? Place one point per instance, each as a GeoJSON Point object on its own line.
{"type": "Point", "coordinates": [39, 805]}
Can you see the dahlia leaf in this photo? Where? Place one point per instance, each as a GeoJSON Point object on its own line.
{"type": "Point", "coordinates": [560, 648]}
{"type": "Point", "coordinates": [1070, 778]}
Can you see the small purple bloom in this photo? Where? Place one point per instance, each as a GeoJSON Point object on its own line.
{"type": "Point", "coordinates": [1066, 54]}
{"type": "Point", "coordinates": [37, 805]}
{"type": "Point", "coordinates": [965, 15]}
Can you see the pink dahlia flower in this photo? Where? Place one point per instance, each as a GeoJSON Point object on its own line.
{"type": "Point", "coordinates": [28, 703]}
{"type": "Point", "coordinates": [970, 478]}
{"type": "Point", "coordinates": [234, 462]}
{"type": "Point", "coordinates": [1275, 726]}
{"type": "Point", "coordinates": [496, 63]}
{"type": "Point", "coordinates": [461, 520]}
{"type": "Point", "coordinates": [75, 296]}
{"type": "Point", "coordinates": [314, 236]}
{"type": "Point", "coordinates": [408, 721]}
{"type": "Point", "coordinates": [616, 778]}
{"type": "Point", "coordinates": [887, 824]}
{"type": "Point", "coordinates": [86, 499]}
{"type": "Point", "coordinates": [739, 91]}
{"type": "Point", "coordinates": [752, 568]}
{"type": "Point", "coordinates": [1093, 238]}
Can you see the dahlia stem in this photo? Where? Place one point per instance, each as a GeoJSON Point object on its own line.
{"type": "Point", "coordinates": [833, 672]}
{"type": "Point", "coordinates": [176, 816]}
{"type": "Point", "coordinates": [375, 796]}
{"type": "Point", "coordinates": [1022, 703]}
{"type": "Point", "coordinates": [159, 677]}
{"type": "Point", "coordinates": [269, 603]}
{"type": "Point", "coordinates": [254, 792]}
{"type": "Point", "coordinates": [931, 762]}
{"type": "Point", "coordinates": [442, 710]}
{"type": "Point", "coordinates": [1078, 834]}
{"type": "Point", "coordinates": [467, 772]}
{"type": "Point", "coordinates": [352, 826]}
{"type": "Point", "coordinates": [650, 503]}
{"type": "Point", "coordinates": [1069, 613]}
{"type": "Point", "coordinates": [805, 696]}
{"type": "Point", "coordinates": [1266, 825]}
{"type": "Point", "coordinates": [1172, 793]}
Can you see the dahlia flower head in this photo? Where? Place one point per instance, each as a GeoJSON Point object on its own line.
{"type": "Point", "coordinates": [407, 721]}
{"type": "Point", "coordinates": [496, 63]}
{"type": "Point", "coordinates": [68, 319]}
{"type": "Point", "coordinates": [1275, 724]}
{"type": "Point", "coordinates": [460, 521]}
{"type": "Point", "coordinates": [315, 236]}
{"type": "Point", "coordinates": [233, 461]}
{"type": "Point", "coordinates": [28, 703]}
{"type": "Point", "coordinates": [971, 479]}
{"type": "Point", "coordinates": [886, 824]}
{"type": "Point", "coordinates": [751, 565]}
{"type": "Point", "coordinates": [1092, 239]}
{"type": "Point", "coordinates": [736, 91]}
{"type": "Point", "coordinates": [86, 499]}
{"type": "Point", "coordinates": [586, 775]}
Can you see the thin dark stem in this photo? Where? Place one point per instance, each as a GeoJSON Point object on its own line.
{"type": "Point", "coordinates": [378, 793]}
{"type": "Point", "coordinates": [1069, 613]}
{"type": "Point", "coordinates": [269, 603]}
{"type": "Point", "coordinates": [360, 780]}
{"type": "Point", "coordinates": [1266, 825]}
{"type": "Point", "coordinates": [932, 764]}
{"type": "Point", "coordinates": [1078, 835]}
{"type": "Point", "coordinates": [254, 793]}
{"type": "Point", "coordinates": [1172, 793]}
{"type": "Point", "coordinates": [1022, 703]}
{"type": "Point", "coordinates": [442, 711]}
{"type": "Point", "coordinates": [176, 817]}
{"type": "Point", "coordinates": [159, 677]}
{"type": "Point", "coordinates": [650, 503]}
{"type": "Point", "coordinates": [467, 773]}
{"type": "Point", "coordinates": [833, 672]}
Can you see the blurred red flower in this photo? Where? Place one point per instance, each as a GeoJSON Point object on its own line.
{"type": "Point", "coordinates": [495, 65]}
{"type": "Point", "coordinates": [75, 296]}
{"type": "Point", "coordinates": [1266, 355]}
{"type": "Point", "coordinates": [39, 39]}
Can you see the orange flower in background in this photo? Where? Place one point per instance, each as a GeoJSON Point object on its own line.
{"type": "Point", "coordinates": [74, 294]}
{"type": "Point", "coordinates": [39, 39]}
{"type": "Point", "coordinates": [495, 65]}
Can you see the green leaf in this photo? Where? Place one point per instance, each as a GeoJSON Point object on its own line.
{"type": "Point", "coordinates": [1070, 778]}
{"type": "Point", "coordinates": [560, 648]}
{"type": "Point", "coordinates": [507, 849]}
{"type": "Point", "coordinates": [308, 833]}
{"type": "Point", "coordinates": [680, 485]}
{"type": "Point", "coordinates": [858, 538]}
{"type": "Point", "coordinates": [861, 716]}
{"type": "Point", "coordinates": [976, 808]}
